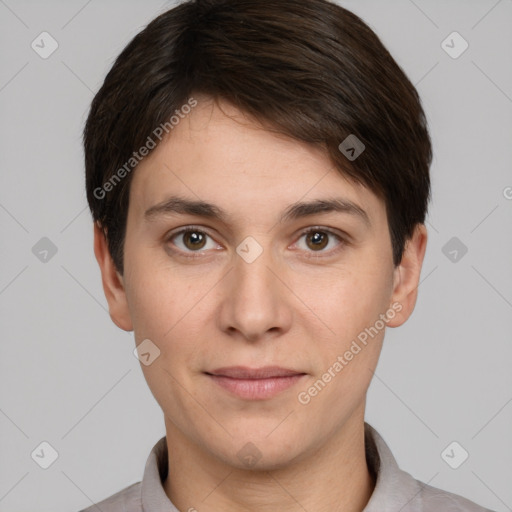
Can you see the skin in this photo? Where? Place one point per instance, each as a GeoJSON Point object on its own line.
{"type": "Point", "coordinates": [295, 306]}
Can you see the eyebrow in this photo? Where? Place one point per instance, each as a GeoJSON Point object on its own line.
{"type": "Point", "coordinates": [295, 211]}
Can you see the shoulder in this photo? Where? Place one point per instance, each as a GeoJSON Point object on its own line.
{"type": "Point", "coordinates": [126, 500]}
{"type": "Point", "coordinates": [434, 499]}
{"type": "Point", "coordinates": [397, 490]}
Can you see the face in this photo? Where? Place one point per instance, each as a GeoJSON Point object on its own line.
{"type": "Point", "coordinates": [268, 316]}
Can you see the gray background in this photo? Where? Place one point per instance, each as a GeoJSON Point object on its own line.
{"type": "Point", "coordinates": [68, 375]}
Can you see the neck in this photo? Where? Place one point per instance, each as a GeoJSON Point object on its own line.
{"type": "Point", "coordinates": [334, 476]}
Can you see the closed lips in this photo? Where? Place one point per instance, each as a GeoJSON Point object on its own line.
{"type": "Point", "coordinates": [240, 372]}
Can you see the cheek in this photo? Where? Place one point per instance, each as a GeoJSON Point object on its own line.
{"type": "Point", "coordinates": [151, 308]}
{"type": "Point", "coordinates": [348, 302]}
{"type": "Point", "coordinates": [167, 307]}
{"type": "Point", "coordinates": [154, 290]}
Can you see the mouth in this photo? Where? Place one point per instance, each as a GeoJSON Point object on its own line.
{"type": "Point", "coordinates": [255, 383]}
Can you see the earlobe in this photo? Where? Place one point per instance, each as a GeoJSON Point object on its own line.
{"type": "Point", "coordinates": [406, 276]}
{"type": "Point", "coordinates": [113, 285]}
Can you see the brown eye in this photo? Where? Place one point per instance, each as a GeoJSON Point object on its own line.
{"type": "Point", "coordinates": [320, 241]}
{"type": "Point", "coordinates": [191, 240]}
{"type": "Point", "coordinates": [317, 240]}
{"type": "Point", "coordinates": [194, 240]}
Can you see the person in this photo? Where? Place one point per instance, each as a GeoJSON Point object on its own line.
{"type": "Point", "coordinates": [258, 177]}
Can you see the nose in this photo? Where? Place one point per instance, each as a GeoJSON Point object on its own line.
{"type": "Point", "coordinates": [256, 302]}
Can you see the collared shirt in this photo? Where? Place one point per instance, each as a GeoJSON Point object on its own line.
{"type": "Point", "coordinates": [395, 490]}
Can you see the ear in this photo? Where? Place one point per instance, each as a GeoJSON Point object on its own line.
{"type": "Point", "coordinates": [113, 286]}
{"type": "Point", "coordinates": [406, 276]}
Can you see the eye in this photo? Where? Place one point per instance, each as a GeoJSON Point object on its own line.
{"type": "Point", "coordinates": [191, 239]}
{"type": "Point", "coordinates": [194, 240]}
{"type": "Point", "coordinates": [317, 239]}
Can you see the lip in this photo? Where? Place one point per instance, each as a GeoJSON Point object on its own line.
{"type": "Point", "coordinates": [244, 372]}
{"type": "Point", "coordinates": [255, 383]}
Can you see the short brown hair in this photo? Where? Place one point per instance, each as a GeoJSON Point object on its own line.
{"type": "Point", "coordinates": [309, 69]}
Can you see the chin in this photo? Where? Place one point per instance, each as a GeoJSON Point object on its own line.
{"type": "Point", "coordinates": [257, 450]}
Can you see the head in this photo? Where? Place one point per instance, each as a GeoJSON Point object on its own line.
{"type": "Point", "coordinates": [230, 118]}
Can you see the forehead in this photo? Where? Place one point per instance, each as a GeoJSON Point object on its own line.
{"type": "Point", "coordinates": [220, 155]}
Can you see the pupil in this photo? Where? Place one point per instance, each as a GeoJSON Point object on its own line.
{"type": "Point", "coordinates": [319, 240]}
{"type": "Point", "coordinates": [194, 238]}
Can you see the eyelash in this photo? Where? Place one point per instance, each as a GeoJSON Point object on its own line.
{"type": "Point", "coordinates": [313, 254]}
